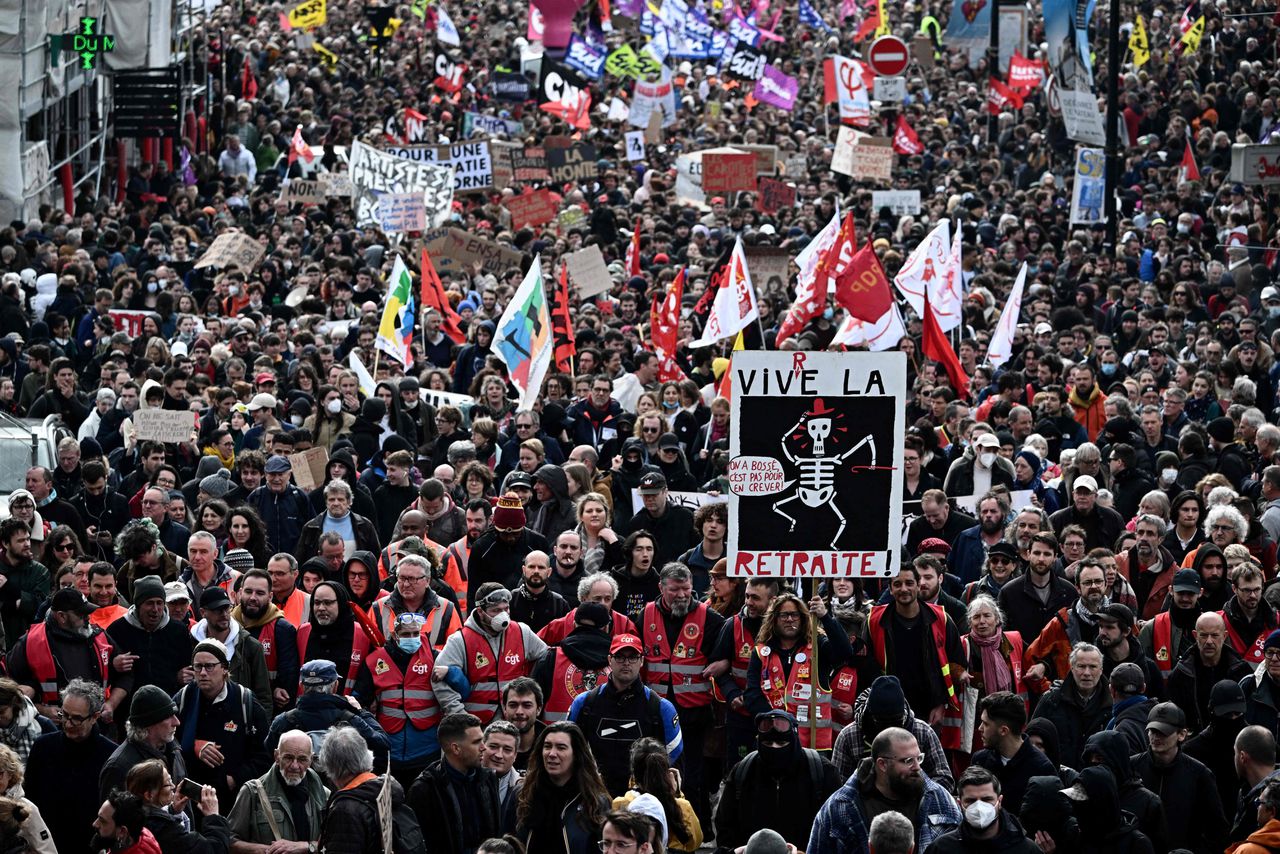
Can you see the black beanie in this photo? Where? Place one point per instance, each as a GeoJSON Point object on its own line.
{"type": "Point", "coordinates": [150, 705]}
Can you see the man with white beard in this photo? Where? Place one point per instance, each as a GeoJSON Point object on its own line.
{"type": "Point", "coordinates": [293, 790]}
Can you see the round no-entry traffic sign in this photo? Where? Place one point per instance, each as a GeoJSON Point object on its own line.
{"type": "Point", "coordinates": [888, 56]}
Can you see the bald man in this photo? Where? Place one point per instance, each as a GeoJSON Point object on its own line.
{"type": "Point", "coordinates": [534, 603]}
{"type": "Point", "coordinates": [1212, 660]}
{"type": "Point", "coordinates": [294, 791]}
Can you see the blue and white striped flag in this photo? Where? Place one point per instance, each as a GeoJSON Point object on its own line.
{"type": "Point", "coordinates": [810, 17]}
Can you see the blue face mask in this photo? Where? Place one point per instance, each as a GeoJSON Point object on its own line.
{"type": "Point", "coordinates": [410, 645]}
{"type": "Point", "coordinates": [1108, 368]}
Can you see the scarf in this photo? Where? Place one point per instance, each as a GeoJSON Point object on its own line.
{"type": "Point", "coordinates": [24, 730]}
{"type": "Point", "coordinates": [995, 670]}
{"type": "Point", "coordinates": [228, 461]}
{"type": "Point", "coordinates": [1083, 613]}
{"type": "Point", "coordinates": [445, 509]}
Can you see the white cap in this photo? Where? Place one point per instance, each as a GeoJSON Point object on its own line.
{"type": "Point", "coordinates": [176, 591]}
{"type": "Point", "coordinates": [1043, 328]}
{"type": "Point", "coordinates": [1270, 292]}
{"type": "Point", "coordinates": [262, 401]}
{"type": "Point", "coordinates": [986, 440]}
{"type": "Point", "coordinates": [647, 804]}
{"type": "Point", "coordinates": [1085, 481]}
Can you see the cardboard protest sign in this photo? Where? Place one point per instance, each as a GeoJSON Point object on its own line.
{"type": "Point", "coordinates": [502, 153]}
{"type": "Point", "coordinates": [728, 172]}
{"type": "Point", "coordinates": [766, 157]}
{"type": "Point", "coordinates": [588, 272]}
{"type": "Point", "coordinates": [309, 466]}
{"type": "Point", "coordinates": [472, 162]}
{"type": "Point", "coordinates": [570, 219]}
{"type": "Point", "coordinates": [530, 165]}
{"type": "Point", "coordinates": [873, 159]}
{"type": "Point", "coordinates": [400, 212]}
{"type": "Point", "coordinates": [232, 247]}
{"type": "Point", "coordinates": [336, 184]}
{"type": "Point", "coordinates": [374, 172]}
{"type": "Point", "coordinates": [772, 195]}
{"type": "Point", "coordinates": [302, 192]}
{"type": "Point", "coordinates": [533, 208]}
{"type": "Point", "coordinates": [573, 164]}
{"type": "Point", "coordinates": [816, 476]}
{"type": "Point", "coordinates": [454, 251]}
{"type": "Point", "coordinates": [165, 425]}
{"type": "Point", "coordinates": [770, 268]}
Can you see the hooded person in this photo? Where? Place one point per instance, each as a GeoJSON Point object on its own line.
{"type": "Point", "coordinates": [1043, 734]}
{"type": "Point", "coordinates": [579, 664]}
{"type": "Point", "coordinates": [626, 477]}
{"type": "Point", "coordinates": [880, 706]}
{"type": "Point", "coordinates": [555, 512]}
{"type": "Point", "coordinates": [1112, 750]}
{"type": "Point", "coordinates": [369, 429]}
{"type": "Point", "coordinates": [675, 466]}
{"type": "Point", "coordinates": [1108, 828]}
{"type": "Point", "coordinates": [342, 466]}
{"type": "Point", "coordinates": [780, 785]}
{"type": "Point", "coordinates": [363, 591]}
{"type": "Point", "coordinates": [471, 358]}
{"type": "Point", "coordinates": [1046, 810]}
{"type": "Point", "coordinates": [332, 641]}
{"type": "Point", "coordinates": [1214, 746]}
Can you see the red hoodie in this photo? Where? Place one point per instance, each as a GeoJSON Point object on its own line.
{"type": "Point", "coordinates": [146, 844]}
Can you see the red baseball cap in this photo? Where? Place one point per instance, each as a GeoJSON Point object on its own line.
{"type": "Point", "coordinates": [264, 377]}
{"type": "Point", "coordinates": [622, 642]}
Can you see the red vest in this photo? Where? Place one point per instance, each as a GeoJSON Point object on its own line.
{"type": "Point", "coordinates": [1162, 642]}
{"type": "Point", "coordinates": [404, 698]}
{"type": "Point", "coordinates": [743, 641]}
{"type": "Point", "coordinates": [267, 637]}
{"type": "Point", "coordinates": [791, 691]}
{"type": "Point", "coordinates": [359, 650]}
{"type": "Point", "coordinates": [949, 730]}
{"type": "Point", "coordinates": [567, 682]}
{"type": "Point", "coordinates": [40, 659]}
{"type": "Point", "coordinates": [489, 677]}
{"type": "Point", "coordinates": [297, 608]}
{"type": "Point", "coordinates": [442, 621]}
{"type": "Point", "coordinates": [1250, 651]}
{"type": "Point", "coordinates": [682, 667]}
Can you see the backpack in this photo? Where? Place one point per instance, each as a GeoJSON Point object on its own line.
{"type": "Point", "coordinates": [657, 727]}
{"type": "Point", "coordinates": [405, 833]}
{"type": "Point", "coordinates": [816, 772]}
{"type": "Point", "coordinates": [317, 735]}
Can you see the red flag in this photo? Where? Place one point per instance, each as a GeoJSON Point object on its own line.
{"type": "Point", "coordinates": [937, 347]}
{"type": "Point", "coordinates": [633, 251]}
{"type": "Point", "coordinates": [870, 24]}
{"type": "Point", "coordinates": [566, 348]}
{"type": "Point", "coordinates": [664, 330]}
{"type": "Point", "coordinates": [863, 288]}
{"type": "Point", "coordinates": [905, 140]}
{"type": "Point", "coordinates": [1025, 75]}
{"type": "Point", "coordinates": [298, 148]}
{"type": "Point", "coordinates": [433, 296]}
{"type": "Point", "coordinates": [1187, 170]}
{"type": "Point", "coordinates": [830, 94]}
{"type": "Point", "coordinates": [248, 83]}
{"type": "Point", "coordinates": [1000, 96]}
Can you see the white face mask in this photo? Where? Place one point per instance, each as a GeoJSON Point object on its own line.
{"type": "Point", "coordinates": [500, 621]}
{"type": "Point", "coordinates": [1169, 475]}
{"type": "Point", "coordinates": [979, 815]}
{"type": "Point", "coordinates": [987, 459]}
{"type": "Point", "coordinates": [334, 406]}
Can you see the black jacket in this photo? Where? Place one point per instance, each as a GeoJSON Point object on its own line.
{"type": "Point", "coordinates": [755, 797]}
{"type": "Point", "coordinates": [350, 824]}
{"type": "Point", "coordinates": [309, 540]}
{"type": "Point", "coordinates": [493, 560]}
{"type": "Point", "coordinates": [586, 648]}
{"type": "Point", "coordinates": [1185, 686]}
{"type": "Point", "coordinates": [438, 800]}
{"type": "Point", "coordinates": [1112, 750]}
{"type": "Point", "coordinates": [1074, 717]}
{"type": "Point", "coordinates": [319, 712]}
{"type": "Point", "coordinates": [1101, 527]}
{"type": "Point", "coordinates": [1262, 701]}
{"type": "Point", "coordinates": [672, 531]}
{"type": "Point", "coordinates": [1131, 721]}
{"type": "Point", "coordinates": [1024, 613]}
{"type": "Point", "coordinates": [129, 754]}
{"type": "Point", "coordinates": [1214, 747]}
{"type": "Point", "coordinates": [1013, 775]}
{"type": "Point", "coordinates": [1128, 487]}
{"type": "Point", "coordinates": [214, 836]}
{"type": "Point", "coordinates": [62, 780]}
{"type": "Point", "coordinates": [1009, 840]}
{"type": "Point", "coordinates": [1192, 807]}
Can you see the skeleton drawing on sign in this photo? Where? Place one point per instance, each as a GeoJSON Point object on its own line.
{"type": "Point", "coordinates": [817, 437]}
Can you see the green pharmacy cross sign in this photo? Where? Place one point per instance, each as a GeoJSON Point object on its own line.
{"type": "Point", "coordinates": [86, 43]}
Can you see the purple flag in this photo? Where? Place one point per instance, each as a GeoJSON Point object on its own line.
{"type": "Point", "coordinates": [777, 89]}
{"type": "Point", "coordinates": [629, 8]}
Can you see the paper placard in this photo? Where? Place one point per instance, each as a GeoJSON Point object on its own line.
{"type": "Point", "coordinates": [691, 500]}
{"type": "Point", "coordinates": [899, 202]}
{"type": "Point", "coordinates": [891, 90]}
{"type": "Point", "coordinates": [302, 191]}
{"type": "Point", "coordinates": [472, 162]}
{"type": "Point", "coordinates": [308, 467]}
{"type": "Point", "coordinates": [574, 164]}
{"type": "Point", "coordinates": [454, 251]}
{"type": "Point", "coordinates": [374, 172]}
{"type": "Point", "coordinates": [772, 195]}
{"type": "Point", "coordinates": [336, 184]}
{"type": "Point", "coordinates": [728, 173]}
{"type": "Point", "coordinates": [533, 208]}
{"type": "Point", "coordinates": [766, 157]}
{"type": "Point", "coordinates": [868, 158]}
{"type": "Point", "coordinates": [588, 272]}
{"type": "Point", "coordinates": [165, 425]}
{"type": "Point", "coordinates": [635, 145]}
{"type": "Point", "coordinates": [570, 219]}
{"type": "Point", "coordinates": [400, 212]}
{"type": "Point", "coordinates": [232, 247]}
{"type": "Point", "coordinates": [770, 268]}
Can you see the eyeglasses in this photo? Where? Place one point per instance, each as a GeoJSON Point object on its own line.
{"type": "Point", "coordinates": [413, 579]}
{"type": "Point", "coordinates": [908, 761]}
{"type": "Point", "coordinates": [607, 845]}
{"type": "Point", "coordinates": [205, 666]}
{"type": "Point", "coordinates": [629, 658]}
{"type": "Point", "coordinates": [524, 426]}
{"type": "Point", "coordinates": [75, 720]}
{"type": "Point", "coordinates": [357, 574]}
{"type": "Point", "coordinates": [1216, 527]}
{"type": "Point", "coordinates": [649, 429]}
{"type": "Point", "coordinates": [1272, 654]}
{"type": "Point", "coordinates": [63, 547]}
{"type": "Point", "coordinates": [788, 615]}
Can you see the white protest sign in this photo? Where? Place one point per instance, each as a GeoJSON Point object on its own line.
{"type": "Point", "coordinates": [1081, 116]}
{"type": "Point", "coordinates": [374, 172]}
{"type": "Point", "coordinates": [164, 425]}
{"type": "Point", "coordinates": [635, 145]}
{"type": "Point", "coordinates": [816, 473]}
{"type": "Point", "coordinates": [588, 272]}
{"type": "Point", "coordinates": [472, 162]}
{"type": "Point", "coordinates": [691, 500]}
{"type": "Point", "coordinates": [1018, 499]}
{"type": "Point", "coordinates": [400, 212]}
{"type": "Point", "coordinates": [899, 202]}
{"type": "Point", "coordinates": [891, 90]}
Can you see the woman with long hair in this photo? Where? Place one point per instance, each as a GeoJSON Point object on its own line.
{"type": "Point", "coordinates": [212, 516]}
{"type": "Point", "coordinates": [563, 801]}
{"type": "Point", "coordinates": [727, 595]}
{"type": "Point", "coordinates": [601, 545]}
{"type": "Point", "coordinates": [994, 662]}
{"type": "Point", "coordinates": [652, 774]}
{"type": "Point", "coordinates": [245, 530]}
{"type": "Point", "coordinates": [33, 827]}
{"type": "Point", "coordinates": [163, 811]}
{"type": "Point", "coordinates": [61, 546]}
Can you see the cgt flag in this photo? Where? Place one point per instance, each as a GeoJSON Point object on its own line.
{"type": "Point", "coordinates": [395, 332]}
{"type": "Point", "coordinates": [524, 340]}
{"type": "Point", "coordinates": [664, 330]}
{"type": "Point", "coordinates": [434, 297]}
{"type": "Point", "coordinates": [905, 140]}
{"type": "Point", "coordinates": [735, 306]}
{"type": "Point", "coordinates": [562, 325]}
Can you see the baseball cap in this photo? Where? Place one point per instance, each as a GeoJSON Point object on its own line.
{"type": "Point", "coordinates": [622, 642]}
{"type": "Point", "coordinates": [1226, 698]}
{"type": "Point", "coordinates": [668, 440]}
{"type": "Point", "coordinates": [320, 671]}
{"type": "Point", "coordinates": [214, 598]}
{"type": "Point", "coordinates": [652, 483]}
{"type": "Point", "coordinates": [1271, 292]}
{"type": "Point", "coordinates": [264, 377]}
{"type": "Point", "coordinates": [1128, 678]}
{"type": "Point", "coordinates": [176, 591]}
{"type": "Point", "coordinates": [262, 400]}
{"type": "Point", "coordinates": [1003, 549]}
{"type": "Point", "coordinates": [1166, 718]}
{"type": "Point", "coordinates": [1043, 328]}
{"type": "Point", "coordinates": [1117, 612]}
{"type": "Point", "coordinates": [1186, 581]}
{"type": "Point", "coordinates": [519, 478]}
{"type": "Point", "coordinates": [71, 599]}
{"type": "Point", "coordinates": [1085, 482]}
{"type": "Point", "coordinates": [987, 440]}
{"type": "Point", "coordinates": [278, 464]}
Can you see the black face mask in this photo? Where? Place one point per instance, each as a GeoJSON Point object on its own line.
{"type": "Point", "coordinates": [630, 463]}
{"type": "Point", "coordinates": [776, 759]}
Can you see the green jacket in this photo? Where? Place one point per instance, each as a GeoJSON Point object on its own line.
{"type": "Point", "coordinates": [27, 586]}
{"type": "Point", "coordinates": [249, 820]}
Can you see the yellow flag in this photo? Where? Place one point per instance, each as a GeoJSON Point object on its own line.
{"type": "Point", "coordinates": [1191, 38]}
{"type": "Point", "coordinates": [330, 58]}
{"type": "Point", "coordinates": [308, 14]}
{"type": "Point", "coordinates": [1138, 44]}
{"type": "Point", "coordinates": [884, 29]}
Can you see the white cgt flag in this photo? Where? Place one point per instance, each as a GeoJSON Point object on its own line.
{"type": "Point", "coordinates": [734, 307]}
{"type": "Point", "coordinates": [884, 334]}
{"type": "Point", "coordinates": [933, 271]}
{"type": "Point", "coordinates": [1001, 346]}
{"type": "Point", "coordinates": [446, 32]}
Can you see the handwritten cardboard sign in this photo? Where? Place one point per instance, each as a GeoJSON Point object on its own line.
{"type": "Point", "coordinates": [454, 251]}
{"type": "Point", "coordinates": [232, 247]}
{"type": "Point", "coordinates": [728, 173]}
{"type": "Point", "coordinates": [337, 184]}
{"type": "Point", "coordinates": [400, 212]}
{"type": "Point", "coordinates": [772, 195]}
{"type": "Point", "coordinates": [302, 191]}
{"type": "Point", "coordinates": [588, 272]}
{"type": "Point", "coordinates": [530, 164]}
{"type": "Point", "coordinates": [530, 209]}
{"type": "Point", "coordinates": [308, 467]}
{"type": "Point", "coordinates": [164, 425]}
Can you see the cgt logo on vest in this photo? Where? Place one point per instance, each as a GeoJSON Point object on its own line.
{"type": "Point", "coordinates": [512, 658]}
{"type": "Point", "coordinates": [420, 669]}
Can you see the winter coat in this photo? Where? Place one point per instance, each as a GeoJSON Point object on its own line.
{"type": "Point", "coordinates": [754, 798]}
{"type": "Point", "coordinates": [1009, 840]}
{"type": "Point", "coordinates": [558, 514]}
{"type": "Point", "coordinates": [1192, 808]}
{"type": "Point", "coordinates": [959, 481]}
{"type": "Point", "coordinates": [1184, 690]}
{"type": "Point", "coordinates": [433, 799]}
{"type": "Point", "coordinates": [1263, 841]}
{"type": "Point", "coordinates": [842, 826]}
{"type": "Point", "coordinates": [1130, 721]}
{"type": "Point", "coordinates": [214, 836]}
{"type": "Point", "coordinates": [1075, 717]}
{"type": "Point", "coordinates": [309, 539]}
{"type": "Point", "coordinates": [283, 515]}
{"type": "Point", "coordinates": [493, 560]}
{"type": "Point", "coordinates": [1112, 749]}
{"type": "Point", "coordinates": [350, 824]}
{"type": "Point", "coordinates": [1014, 774]}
